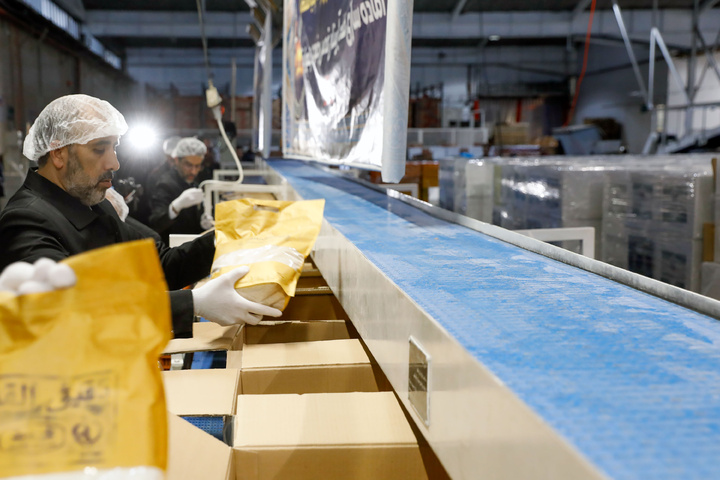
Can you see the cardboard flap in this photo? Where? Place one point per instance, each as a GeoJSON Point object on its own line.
{"type": "Point", "coordinates": [207, 336]}
{"type": "Point", "coordinates": [324, 419]}
{"type": "Point", "coordinates": [234, 359]}
{"type": "Point", "coordinates": [326, 352]}
{"type": "Point", "coordinates": [201, 392]}
{"type": "Point", "coordinates": [194, 454]}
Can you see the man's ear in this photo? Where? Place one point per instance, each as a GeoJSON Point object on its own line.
{"type": "Point", "coordinates": [58, 157]}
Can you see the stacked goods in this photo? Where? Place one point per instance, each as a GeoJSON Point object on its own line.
{"type": "Point", "coordinates": [451, 178]}
{"type": "Point", "coordinates": [551, 193]}
{"type": "Point", "coordinates": [479, 189]}
{"type": "Point", "coordinates": [653, 219]}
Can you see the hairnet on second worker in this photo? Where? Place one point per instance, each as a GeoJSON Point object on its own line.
{"type": "Point", "coordinates": [72, 119]}
{"type": "Point", "coordinates": [169, 144]}
{"type": "Point", "coordinates": [189, 147]}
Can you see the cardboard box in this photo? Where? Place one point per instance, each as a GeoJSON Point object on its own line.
{"type": "Point", "coordinates": [314, 307]}
{"type": "Point", "coordinates": [288, 332]}
{"type": "Point", "coordinates": [201, 392]}
{"type": "Point", "coordinates": [205, 398]}
{"type": "Point", "coordinates": [337, 435]}
{"type": "Point", "coordinates": [357, 435]}
{"type": "Point", "coordinates": [207, 337]}
{"type": "Point", "coordinates": [305, 367]}
{"type": "Point", "coordinates": [193, 454]}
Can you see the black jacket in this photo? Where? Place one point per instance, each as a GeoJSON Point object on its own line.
{"type": "Point", "coordinates": [168, 188]}
{"type": "Point", "coordinates": [42, 220]}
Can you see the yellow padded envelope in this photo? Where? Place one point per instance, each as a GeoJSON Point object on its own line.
{"type": "Point", "coordinates": [79, 379]}
{"type": "Point", "coordinates": [273, 238]}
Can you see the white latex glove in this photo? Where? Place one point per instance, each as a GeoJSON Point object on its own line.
{"type": "Point", "coordinates": [42, 276]}
{"type": "Point", "coordinates": [218, 301]}
{"type": "Point", "coordinates": [207, 221]}
{"type": "Point", "coordinates": [188, 198]}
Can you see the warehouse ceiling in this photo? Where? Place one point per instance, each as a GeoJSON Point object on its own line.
{"type": "Point", "coordinates": [163, 34]}
{"type": "Point", "coordinates": [123, 25]}
{"type": "Point", "coordinates": [118, 39]}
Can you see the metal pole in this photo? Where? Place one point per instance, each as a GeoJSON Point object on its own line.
{"type": "Point", "coordinates": [630, 52]}
{"type": "Point", "coordinates": [233, 88]}
{"type": "Point", "coordinates": [708, 53]}
{"type": "Point", "coordinates": [651, 71]}
{"type": "Point", "coordinates": [691, 90]}
{"type": "Point", "coordinates": [266, 98]}
{"type": "Point", "coordinates": [655, 36]}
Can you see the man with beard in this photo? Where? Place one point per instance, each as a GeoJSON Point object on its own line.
{"type": "Point", "coordinates": [61, 210]}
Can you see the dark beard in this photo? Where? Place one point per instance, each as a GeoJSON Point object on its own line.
{"type": "Point", "coordinates": [80, 186]}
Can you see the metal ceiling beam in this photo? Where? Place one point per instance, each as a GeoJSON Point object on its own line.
{"type": "Point", "coordinates": [580, 7]}
{"type": "Point", "coordinates": [533, 25]}
{"type": "Point", "coordinates": [708, 4]}
{"type": "Point", "coordinates": [508, 25]}
{"type": "Point", "coordinates": [118, 23]}
{"type": "Point", "coordinates": [458, 9]}
{"type": "Point", "coordinates": [630, 52]}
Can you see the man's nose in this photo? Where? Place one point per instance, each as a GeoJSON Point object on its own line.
{"type": "Point", "coordinates": [113, 163]}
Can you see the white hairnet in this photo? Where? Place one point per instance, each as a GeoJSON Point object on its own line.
{"type": "Point", "coordinates": [169, 144]}
{"type": "Point", "coordinates": [189, 147]}
{"type": "Point", "coordinates": [72, 119]}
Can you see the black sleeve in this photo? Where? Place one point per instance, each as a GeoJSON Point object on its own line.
{"type": "Point", "coordinates": [182, 307]}
{"type": "Point", "coordinates": [142, 229]}
{"type": "Point", "coordinates": [162, 196]}
{"type": "Point", "coordinates": [188, 263]}
{"type": "Point", "coordinates": [26, 235]}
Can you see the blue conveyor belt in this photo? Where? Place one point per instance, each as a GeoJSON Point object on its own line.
{"type": "Point", "coordinates": [632, 381]}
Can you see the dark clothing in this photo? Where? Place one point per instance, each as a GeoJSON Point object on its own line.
{"type": "Point", "coordinates": [155, 174]}
{"type": "Point", "coordinates": [168, 188]}
{"type": "Point", "coordinates": [43, 220]}
{"type": "Point", "coordinates": [207, 172]}
{"type": "Point", "coordinates": [143, 229]}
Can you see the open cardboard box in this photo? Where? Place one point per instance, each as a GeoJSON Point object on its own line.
{"type": "Point", "coordinates": [205, 398]}
{"type": "Point", "coordinates": [356, 435]}
{"type": "Point", "coordinates": [296, 331]}
{"type": "Point", "coordinates": [314, 307]}
{"type": "Point", "coordinates": [209, 336]}
{"type": "Point", "coordinates": [306, 367]}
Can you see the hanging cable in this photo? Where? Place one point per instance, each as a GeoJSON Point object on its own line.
{"type": "Point", "coordinates": [201, 21]}
{"type": "Point", "coordinates": [571, 113]}
{"type": "Point", "coordinates": [213, 102]}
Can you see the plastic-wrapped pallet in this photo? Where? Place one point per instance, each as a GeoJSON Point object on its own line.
{"type": "Point", "coordinates": [479, 181]}
{"type": "Point", "coordinates": [451, 179]}
{"type": "Point", "coordinates": [678, 261]}
{"type": "Point", "coordinates": [656, 209]}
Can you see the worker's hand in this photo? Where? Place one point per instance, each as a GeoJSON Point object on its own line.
{"type": "Point", "coordinates": [44, 275]}
{"type": "Point", "coordinates": [188, 198]}
{"type": "Point", "coordinates": [218, 301]}
{"type": "Point", "coordinates": [207, 221]}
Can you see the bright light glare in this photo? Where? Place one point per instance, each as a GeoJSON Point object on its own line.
{"type": "Point", "coordinates": [141, 137]}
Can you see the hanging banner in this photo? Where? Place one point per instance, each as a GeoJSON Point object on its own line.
{"type": "Point", "coordinates": [334, 82]}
